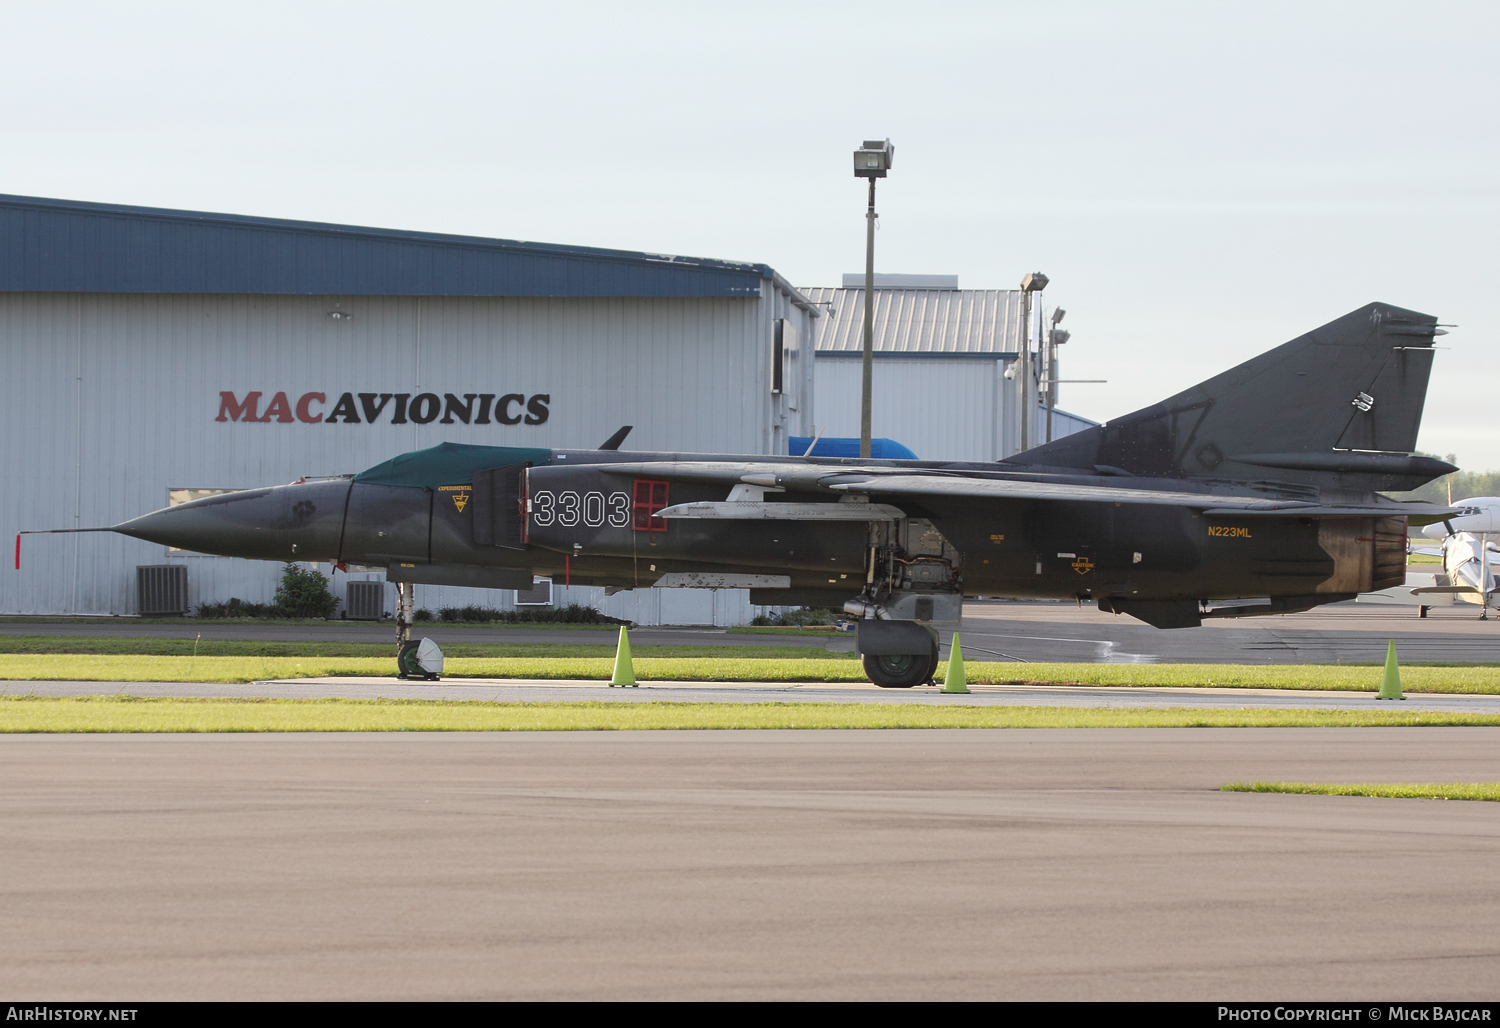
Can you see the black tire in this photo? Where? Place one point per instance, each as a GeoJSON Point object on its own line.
{"type": "Point", "coordinates": [899, 670]}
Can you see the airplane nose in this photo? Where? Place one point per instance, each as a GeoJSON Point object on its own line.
{"type": "Point", "coordinates": [302, 521]}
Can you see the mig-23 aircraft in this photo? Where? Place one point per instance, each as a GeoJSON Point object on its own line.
{"type": "Point", "coordinates": [1251, 493]}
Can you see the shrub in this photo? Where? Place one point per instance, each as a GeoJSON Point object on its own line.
{"type": "Point", "coordinates": [304, 594]}
{"type": "Point", "coordinates": [422, 614]}
{"type": "Point", "coordinates": [236, 608]}
{"type": "Point", "coordinates": [798, 617]}
{"type": "Point", "coordinates": [572, 614]}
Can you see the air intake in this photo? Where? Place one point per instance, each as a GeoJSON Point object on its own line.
{"type": "Point", "coordinates": [161, 589]}
{"type": "Point", "coordinates": [365, 601]}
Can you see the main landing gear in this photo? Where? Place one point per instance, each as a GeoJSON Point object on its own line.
{"type": "Point", "coordinates": [901, 670]}
{"type": "Point", "coordinates": [911, 584]}
{"type": "Point", "coordinates": [897, 654]}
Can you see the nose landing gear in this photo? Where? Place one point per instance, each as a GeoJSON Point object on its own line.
{"type": "Point", "coordinates": [415, 658]}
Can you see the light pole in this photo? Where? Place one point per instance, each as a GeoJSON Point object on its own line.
{"type": "Point", "coordinates": [1055, 338]}
{"type": "Point", "coordinates": [1034, 282]}
{"type": "Point", "coordinates": [871, 161]}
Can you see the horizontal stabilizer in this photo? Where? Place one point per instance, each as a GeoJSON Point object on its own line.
{"type": "Point", "coordinates": [1417, 512]}
{"type": "Point", "coordinates": [1419, 466]}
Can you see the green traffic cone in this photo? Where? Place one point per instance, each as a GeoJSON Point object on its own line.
{"type": "Point", "coordinates": [624, 675]}
{"type": "Point", "coordinates": [954, 681]}
{"type": "Point", "coordinates": [1390, 682]}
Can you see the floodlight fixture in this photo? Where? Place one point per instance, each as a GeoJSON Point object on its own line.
{"type": "Point", "coordinates": [874, 158]}
{"type": "Point", "coordinates": [1059, 336]}
{"type": "Point", "coordinates": [1058, 315]}
{"type": "Point", "coordinates": [1034, 282]}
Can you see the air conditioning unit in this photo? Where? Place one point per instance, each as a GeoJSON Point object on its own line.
{"type": "Point", "coordinates": [365, 601]}
{"type": "Point", "coordinates": [539, 595]}
{"type": "Point", "coordinates": [161, 589]}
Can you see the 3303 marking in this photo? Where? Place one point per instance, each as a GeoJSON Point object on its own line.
{"type": "Point", "coordinates": [570, 509]}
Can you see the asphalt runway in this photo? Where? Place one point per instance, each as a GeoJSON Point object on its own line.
{"type": "Point", "coordinates": [1337, 634]}
{"type": "Point", "coordinates": [992, 630]}
{"type": "Point", "coordinates": [499, 690]}
{"type": "Point", "coordinates": [1023, 864]}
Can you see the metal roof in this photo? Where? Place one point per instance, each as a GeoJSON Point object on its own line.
{"type": "Point", "coordinates": [75, 247]}
{"type": "Point", "coordinates": [886, 280]}
{"type": "Point", "coordinates": [921, 321]}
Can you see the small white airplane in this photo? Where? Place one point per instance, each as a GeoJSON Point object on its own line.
{"type": "Point", "coordinates": [1466, 549]}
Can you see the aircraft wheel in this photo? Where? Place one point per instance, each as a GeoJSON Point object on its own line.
{"type": "Point", "coordinates": [406, 661]}
{"type": "Point", "coordinates": [899, 670]}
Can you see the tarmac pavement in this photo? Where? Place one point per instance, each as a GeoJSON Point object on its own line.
{"type": "Point", "coordinates": [992, 630]}
{"type": "Point", "coordinates": [1021, 864]}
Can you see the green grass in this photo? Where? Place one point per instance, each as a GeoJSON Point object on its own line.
{"type": "Point", "coordinates": [132, 714]}
{"type": "Point", "coordinates": [817, 666]}
{"type": "Point", "coordinates": [1339, 677]}
{"type": "Point", "coordinates": [188, 622]}
{"type": "Point", "coordinates": [253, 648]}
{"type": "Point", "coordinates": [131, 668]}
{"type": "Point", "coordinates": [1489, 791]}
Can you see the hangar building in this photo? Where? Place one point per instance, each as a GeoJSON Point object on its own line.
{"type": "Point", "coordinates": [151, 354]}
{"type": "Point", "coordinates": [941, 355]}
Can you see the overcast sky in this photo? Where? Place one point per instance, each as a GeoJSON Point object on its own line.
{"type": "Point", "coordinates": [1200, 181]}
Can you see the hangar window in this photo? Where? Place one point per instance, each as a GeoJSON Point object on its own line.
{"type": "Point", "coordinates": [778, 357]}
{"type": "Point", "coordinates": [650, 497]}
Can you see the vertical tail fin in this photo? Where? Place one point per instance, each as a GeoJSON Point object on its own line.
{"type": "Point", "coordinates": [1340, 405]}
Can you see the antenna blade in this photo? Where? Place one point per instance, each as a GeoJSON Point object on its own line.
{"type": "Point", "coordinates": [614, 441]}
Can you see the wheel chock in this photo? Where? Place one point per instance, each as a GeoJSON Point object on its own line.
{"type": "Point", "coordinates": [1390, 681]}
{"type": "Point", "coordinates": [624, 676]}
{"type": "Point", "coordinates": [954, 680]}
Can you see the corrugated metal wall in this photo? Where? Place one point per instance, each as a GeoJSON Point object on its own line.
{"type": "Point", "coordinates": [939, 385]}
{"type": "Point", "coordinates": [942, 409]}
{"type": "Point", "coordinates": [111, 400]}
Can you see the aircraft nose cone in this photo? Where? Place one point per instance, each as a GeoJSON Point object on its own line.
{"type": "Point", "coordinates": [291, 522]}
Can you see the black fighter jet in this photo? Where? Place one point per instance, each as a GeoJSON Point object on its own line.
{"type": "Point", "coordinates": [1252, 493]}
